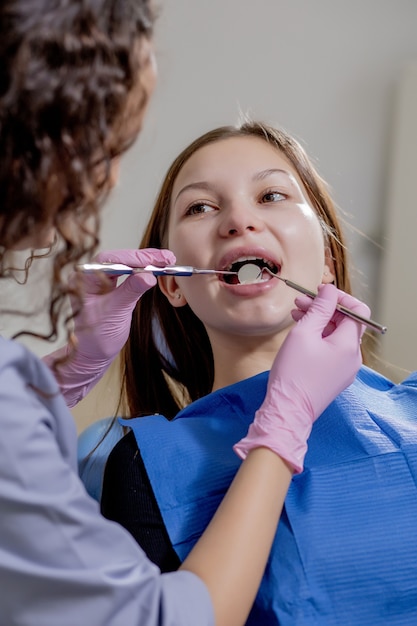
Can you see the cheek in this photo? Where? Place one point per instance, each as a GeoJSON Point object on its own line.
{"type": "Point", "coordinates": [206, 307]}
{"type": "Point", "coordinates": [114, 172]}
{"type": "Point", "coordinates": [48, 237]}
{"type": "Point", "coordinates": [306, 246]}
{"type": "Point", "coordinates": [196, 293]}
{"type": "Point", "coordinates": [191, 247]}
{"type": "Point", "coordinates": [307, 229]}
{"type": "Point", "coordinates": [149, 77]}
{"type": "Point", "coordinates": [42, 240]}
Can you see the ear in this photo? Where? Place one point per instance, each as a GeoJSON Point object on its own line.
{"type": "Point", "coordinates": [329, 275]}
{"type": "Point", "coordinates": [170, 288]}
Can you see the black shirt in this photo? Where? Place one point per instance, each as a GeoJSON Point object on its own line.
{"type": "Point", "coordinates": [128, 498]}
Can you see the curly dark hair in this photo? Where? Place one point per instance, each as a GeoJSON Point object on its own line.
{"type": "Point", "coordinates": [71, 100]}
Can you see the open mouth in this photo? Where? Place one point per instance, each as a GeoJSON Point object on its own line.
{"type": "Point", "coordinates": [250, 270]}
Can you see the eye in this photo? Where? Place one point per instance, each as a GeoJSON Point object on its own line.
{"type": "Point", "coordinates": [273, 196]}
{"type": "Point", "coordinates": [199, 208]}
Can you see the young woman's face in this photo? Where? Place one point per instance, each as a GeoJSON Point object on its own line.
{"type": "Point", "coordinates": [234, 200]}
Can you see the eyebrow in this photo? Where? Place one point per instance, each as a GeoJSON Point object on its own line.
{"type": "Point", "coordinates": [265, 173]}
{"type": "Point", "coordinates": [209, 187]}
{"type": "Point", "coordinates": [197, 185]}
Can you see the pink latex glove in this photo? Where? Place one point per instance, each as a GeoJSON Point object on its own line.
{"type": "Point", "coordinates": [103, 326]}
{"type": "Point", "coordinates": [318, 359]}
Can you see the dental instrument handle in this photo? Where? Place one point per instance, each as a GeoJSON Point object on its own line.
{"type": "Point", "coordinates": [182, 270]}
{"type": "Point", "coordinates": [173, 270]}
{"type": "Point", "coordinates": [355, 316]}
{"type": "Point", "coordinates": [119, 269]}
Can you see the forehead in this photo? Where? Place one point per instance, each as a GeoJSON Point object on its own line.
{"type": "Point", "coordinates": [232, 156]}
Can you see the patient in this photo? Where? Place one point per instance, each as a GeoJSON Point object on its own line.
{"type": "Point", "coordinates": [346, 550]}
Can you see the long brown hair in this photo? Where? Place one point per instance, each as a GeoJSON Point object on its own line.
{"type": "Point", "coordinates": [167, 361]}
{"type": "Point", "coordinates": [70, 92]}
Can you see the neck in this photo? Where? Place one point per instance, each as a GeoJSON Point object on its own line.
{"type": "Point", "coordinates": [237, 358]}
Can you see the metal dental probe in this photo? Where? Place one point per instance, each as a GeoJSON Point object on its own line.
{"type": "Point", "coordinates": [355, 316]}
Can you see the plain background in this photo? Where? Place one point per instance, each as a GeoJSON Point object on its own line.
{"type": "Point", "coordinates": [341, 77]}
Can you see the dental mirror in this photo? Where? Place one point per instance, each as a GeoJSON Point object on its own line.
{"type": "Point", "coordinates": [249, 273]}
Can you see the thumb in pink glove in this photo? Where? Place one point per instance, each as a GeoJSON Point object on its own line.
{"type": "Point", "coordinates": [102, 327]}
{"type": "Point", "coordinates": [318, 359]}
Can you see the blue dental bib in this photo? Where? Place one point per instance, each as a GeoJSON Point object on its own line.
{"type": "Point", "coordinates": [345, 551]}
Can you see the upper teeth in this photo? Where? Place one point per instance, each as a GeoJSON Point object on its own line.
{"type": "Point", "coordinates": [249, 259]}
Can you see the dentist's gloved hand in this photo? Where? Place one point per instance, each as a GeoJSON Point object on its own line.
{"type": "Point", "coordinates": [103, 325]}
{"type": "Point", "coordinates": [318, 359]}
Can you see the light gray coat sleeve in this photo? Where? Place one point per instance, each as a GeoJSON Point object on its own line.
{"type": "Point", "coordinates": [61, 562]}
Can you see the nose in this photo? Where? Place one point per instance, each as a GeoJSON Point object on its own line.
{"type": "Point", "coordinates": [238, 220]}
